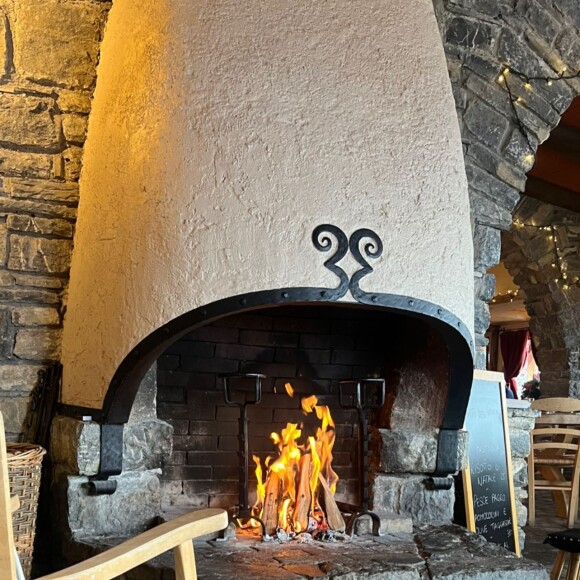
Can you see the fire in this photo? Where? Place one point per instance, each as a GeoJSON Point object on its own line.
{"type": "Point", "coordinates": [300, 481]}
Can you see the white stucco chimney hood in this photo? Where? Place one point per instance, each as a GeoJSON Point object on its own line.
{"type": "Point", "coordinates": [233, 148]}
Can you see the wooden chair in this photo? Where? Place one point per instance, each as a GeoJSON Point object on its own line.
{"type": "Point", "coordinates": [553, 449]}
{"type": "Point", "coordinates": [558, 412]}
{"type": "Point", "coordinates": [174, 535]}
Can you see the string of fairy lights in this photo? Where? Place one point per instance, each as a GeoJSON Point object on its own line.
{"type": "Point", "coordinates": [559, 264]}
{"type": "Point", "coordinates": [506, 79]}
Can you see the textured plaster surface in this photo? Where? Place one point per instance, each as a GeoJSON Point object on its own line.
{"type": "Point", "coordinates": [222, 133]}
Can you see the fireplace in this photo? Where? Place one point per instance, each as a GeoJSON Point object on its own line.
{"type": "Point", "coordinates": [400, 362]}
{"type": "Point", "coordinates": [270, 196]}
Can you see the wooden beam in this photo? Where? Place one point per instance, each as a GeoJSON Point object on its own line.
{"type": "Point", "coordinates": [552, 194]}
{"type": "Point", "coordinates": [564, 140]}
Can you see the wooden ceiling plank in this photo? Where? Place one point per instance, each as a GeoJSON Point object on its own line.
{"type": "Point", "coordinates": [564, 140]}
{"type": "Point", "coordinates": [552, 194]}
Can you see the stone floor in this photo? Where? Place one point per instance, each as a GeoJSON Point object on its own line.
{"type": "Point", "coordinates": [431, 552]}
{"type": "Point", "coordinates": [546, 522]}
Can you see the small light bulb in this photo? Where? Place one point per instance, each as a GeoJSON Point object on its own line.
{"type": "Point", "coordinates": [554, 266]}
{"type": "Point", "coordinates": [506, 71]}
{"type": "Point", "coordinates": [519, 100]}
{"type": "Point", "coordinates": [556, 280]}
{"type": "Point", "coordinates": [528, 86]}
{"type": "Point", "coordinates": [500, 79]}
{"type": "Point", "coordinates": [565, 287]}
{"type": "Point", "coordinates": [529, 158]}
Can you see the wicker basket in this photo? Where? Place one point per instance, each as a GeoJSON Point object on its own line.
{"type": "Point", "coordinates": [24, 470]}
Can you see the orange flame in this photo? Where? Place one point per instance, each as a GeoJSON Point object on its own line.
{"type": "Point", "coordinates": [286, 465]}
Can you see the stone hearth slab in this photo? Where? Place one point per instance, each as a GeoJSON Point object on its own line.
{"type": "Point", "coordinates": [434, 552]}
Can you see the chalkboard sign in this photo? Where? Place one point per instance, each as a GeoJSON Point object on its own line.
{"type": "Point", "coordinates": [488, 479]}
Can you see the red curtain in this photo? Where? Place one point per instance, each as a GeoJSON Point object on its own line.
{"type": "Point", "coordinates": [513, 351]}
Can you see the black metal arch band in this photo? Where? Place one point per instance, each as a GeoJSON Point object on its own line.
{"type": "Point", "coordinates": [125, 383]}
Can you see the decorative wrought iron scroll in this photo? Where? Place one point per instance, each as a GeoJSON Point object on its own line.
{"type": "Point", "coordinates": [371, 249]}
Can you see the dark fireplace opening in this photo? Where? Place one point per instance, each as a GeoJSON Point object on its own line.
{"type": "Point", "coordinates": [313, 348]}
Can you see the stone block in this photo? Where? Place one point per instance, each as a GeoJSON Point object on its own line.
{"type": "Point", "coordinates": [505, 195]}
{"type": "Point", "coordinates": [14, 411]}
{"type": "Point", "coordinates": [3, 242]}
{"type": "Point", "coordinates": [511, 176]}
{"type": "Point", "coordinates": [470, 34]}
{"type": "Point", "coordinates": [145, 403]}
{"type": "Point", "coordinates": [406, 451]}
{"type": "Point", "coordinates": [517, 150]}
{"type": "Point", "coordinates": [57, 43]}
{"type": "Point", "coordinates": [519, 442]}
{"type": "Point", "coordinates": [74, 128]}
{"type": "Point", "coordinates": [391, 524]}
{"type": "Point", "coordinates": [520, 470]}
{"type": "Point", "coordinates": [489, 126]}
{"type": "Point", "coordinates": [29, 121]}
{"type": "Point", "coordinates": [35, 316]}
{"type": "Point", "coordinates": [522, 418]}
{"type": "Point", "coordinates": [49, 227]}
{"type": "Point", "coordinates": [522, 513]}
{"type": "Point", "coordinates": [568, 46]}
{"type": "Point", "coordinates": [409, 496]}
{"type": "Point", "coordinates": [488, 211]}
{"type": "Point", "coordinates": [29, 295]}
{"type": "Point", "coordinates": [131, 509]}
{"type": "Point", "coordinates": [146, 444]}
{"type": "Point", "coordinates": [74, 101]}
{"type": "Point", "coordinates": [23, 206]}
{"type": "Point", "coordinates": [40, 189]}
{"type": "Point", "coordinates": [38, 344]}
{"type": "Point", "coordinates": [482, 318]}
{"type": "Point", "coordinates": [39, 254]}
{"type": "Point", "coordinates": [25, 164]}
{"type": "Point", "coordinates": [75, 445]}
{"type": "Point", "coordinates": [19, 377]}
{"type": "Point", "coordinates": [72, 159]}
{"type": "Point", "coordinates": [487, 247]}
{"type": "Point", "coordinates": [5, 60]}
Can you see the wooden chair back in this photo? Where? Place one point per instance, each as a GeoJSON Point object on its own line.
{"type": "Point", "coordinates": [552, 450]}
{"type": "Point", "coordinates": [557, 405]}
{"type": "Point", "coordinates": [174, 535]}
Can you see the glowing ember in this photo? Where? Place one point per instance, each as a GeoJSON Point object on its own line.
{"type": "Point", "coordinates": [300, 482]}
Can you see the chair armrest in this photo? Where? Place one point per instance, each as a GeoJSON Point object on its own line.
{"type": "Point", "coordinates": [145, 546]}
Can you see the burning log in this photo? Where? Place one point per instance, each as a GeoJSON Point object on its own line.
{"type": "Point", "coordinates": [303, 496]}
{"type": "Point", "coordinates": [333, 516]}
{"type": "Point", "coordinates": [272, 499]}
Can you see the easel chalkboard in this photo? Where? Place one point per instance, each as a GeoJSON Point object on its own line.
{"type": "Point", "coordinates": [488, 478]}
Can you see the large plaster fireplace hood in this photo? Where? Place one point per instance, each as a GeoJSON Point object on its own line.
{"type": "Point", "coordinates": [233, 149]}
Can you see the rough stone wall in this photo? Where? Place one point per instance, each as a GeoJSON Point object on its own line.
{"type": "Point", "coordinates": [530, 255]}
{"type": "Point", "coordinates": [537, 37]}
{"type": "Point", "coordinates": [521, 422]}
{"type": "Point", "coordinates": [48, 56]}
